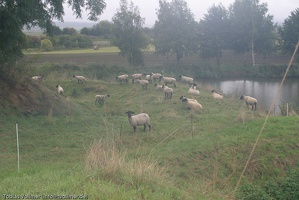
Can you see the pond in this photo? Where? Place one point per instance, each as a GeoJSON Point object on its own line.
{"type": "Point", "coordinates": [264, 90]}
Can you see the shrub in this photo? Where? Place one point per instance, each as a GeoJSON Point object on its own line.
{"type": "Point", "coordinates": [46, 45]}
{"type": "Point", "coordinates": [286, 189]}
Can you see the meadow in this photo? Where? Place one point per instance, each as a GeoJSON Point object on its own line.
{"type": "Point", "coordinates": [77, 147]}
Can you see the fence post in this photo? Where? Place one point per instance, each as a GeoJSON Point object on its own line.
{"type": "Point", "coordinates": [18, 149]}
{"type": "Point", "coordinates": [192, 126]}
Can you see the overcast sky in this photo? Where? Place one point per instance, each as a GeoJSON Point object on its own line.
{"type": "Point", "coordinates": [280, 9]}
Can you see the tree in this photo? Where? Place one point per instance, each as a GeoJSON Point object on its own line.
{"type": "Point", "coordinates": [102, 29]}
{"type": "Point", "coordinates": [251, 29]}
{"type": "Point", "coordinates": [127, 32]}
{"type": "Point", "coordinates": [69, 31]}
{"type": "Point", "coordinates": [175, 29]}
{"type": "Point", "coordinates": [289, 32]}
{"type": "Point", "coordinates": [15, 14]}
{"type": "Point", "coordinates": [213, 32]}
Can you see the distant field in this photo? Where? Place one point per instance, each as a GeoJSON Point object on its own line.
{"type": "Point", "coordinates": [110, 55]}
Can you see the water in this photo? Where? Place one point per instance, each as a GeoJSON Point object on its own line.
{"type": "Point", "coordinates": [263, 90]}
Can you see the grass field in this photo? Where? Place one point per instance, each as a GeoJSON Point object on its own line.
{"type": "Point", "coordinates": [91, 150]}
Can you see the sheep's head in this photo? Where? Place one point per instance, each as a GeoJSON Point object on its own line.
{"type": "Point", "coordinates": [130, 113]}
{"type": "Point", "coordinates": [182, 97]}
{"type": "Point", "coordinates": [184, 100]}
{"type": "Point", "coordinates": [242, 97]}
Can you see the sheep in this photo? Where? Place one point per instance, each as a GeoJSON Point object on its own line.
{"type": "Point", "coordinates": [183, 97]}
{"type": "Point", "coordinates": [193, 91]}
{"type": "Point", "coordinates": [101, 98]}
{"type": "Point", "coordinates": [168, 80]}
{"type": "Point", "coordinates": [192, 104]}
{"type": "Point", "coordinates": [80, 79]}
{"type": "Point", "coordinates": [216, 95]}
{"type": "Point", "coordinates": [149, 77]}
{"type": "Point", "coordinates": [139, 119]}
{"type": "Point", "coordinates": [122, 78]}
{"type": "Point", "coordinates": [59, 89]}
{"type": "Point", "coordinates": [156, 76]}
{"type": "Point", "coordinates": [37, 78]}
{"type": "Point", "coordinates": [249, 101]}
{"type": "Point", "coordinates": [143, 83]}
{"type": "Point", "coordinates": [136, 77]}
{"type": "Point", "coordinates": [187, 79]}
{"type": "Point", "coordinates": [167, 92]}
{"type": "Point", "coordinates": [158, 87]}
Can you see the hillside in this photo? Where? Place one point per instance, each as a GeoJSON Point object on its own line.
{"type": "Point", "coordinates": [86, 149]}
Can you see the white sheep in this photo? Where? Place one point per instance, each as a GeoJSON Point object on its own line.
{"type": "Point", "coordinates": [143, 83]}
{"type": "Point", "coordinates": [37, 78]}
{"type": "Point", "coordinates": [122, 78]}
{"type": "Point", "coordinates": [216, 95]}
{"type": "Point", "coordinates": [194, 105]}
{"type": "Point", "coordinates": [158, 87]}
{"type": "Point", "coordinates": [136, 77]}
{"type": "Point", "coordinates": [59, 89]}
{"type": "Point", "coordinates": [80, 78]}
{"type": "Point", "coordinates": [183, 97]}
{"type": "Point", "coordinates": [149, 77]}
{"type": "Point", "coordinates": [168, 80]}
{"type": "Point", "coordinates": [101, 98]}
{"type": "Point", "coordinates": [193, 91]}
{"type": "Point", "coordinates": [138, 120]}
{"type": "Point", "coordinates": [167, 92]}
{"type": "Point", "coordinates": [156, 76]}
{"type": "Point", "coordinates": [187, 79]}
{"type": "Point", "coordinates": [249, 101]}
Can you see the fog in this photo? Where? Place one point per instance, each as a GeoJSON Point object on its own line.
{"type": "Point", "coordinates": [279, 9]}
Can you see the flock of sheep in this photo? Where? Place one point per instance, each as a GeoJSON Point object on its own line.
{"type": "Point", "coordinates": [143, 118]}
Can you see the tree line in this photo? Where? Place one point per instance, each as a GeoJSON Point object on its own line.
{"type": "Point", "coordinates": [244, 27]}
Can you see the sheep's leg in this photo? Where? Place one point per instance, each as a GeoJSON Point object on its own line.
{"type": "Point", "coordinates": [134, 127]}
{"type": "Point", "coordinates": [149, 127]}
{"type": "Point", "coordinates": [144, 127]}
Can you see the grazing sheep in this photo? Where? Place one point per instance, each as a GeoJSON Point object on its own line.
{"type": "Point", "coordinates": [193, 91]}
{"type": "Point", "coordinates": [216, 95]}
{"type": "Point", "coordinates": [156, 76]}
{"type": "Point", "coordinates": [159, 87]}
{"type": "Point", "coordinates": [59, 89]}
{"type": "Point", "coordinates": [136, 77]}
{"type": "Point", "coordinates": [187, 79]}
{"type": "Point", "coordinates": [122, 78]}
{"type": "Point", "coordinates": [101, 98]}
{"type": "Point", "coordinates": [143, 83]}
{"type": "Point", "coordinates": [138, 120]}
{"type": "Point", "coordinates": [168, 80]}
{"type": "Point", "coordinates": [194, 105]}
{"type": "Point", "coordinates": [167, 92]}
{"type": "Point", "coordinates": [249, 101]}
{"type": "Point", "coordinates": [183, 97]}
{"type": "Point", "coordinates": [37, 78]}
{"type": "Point", "coordinates": [80, 79]}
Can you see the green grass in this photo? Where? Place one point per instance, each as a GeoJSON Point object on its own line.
{"type": "Point", "coordinates": [93, 150]}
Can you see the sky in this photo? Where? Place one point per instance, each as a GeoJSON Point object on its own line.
{"type": "Point", "coordinates": [280, 9]}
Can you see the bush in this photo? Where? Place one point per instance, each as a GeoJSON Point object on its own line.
{"type": "Point", "coordinates": [72, 41]}
{"type": "Point", "coordinates": [46, 45]}
{"type": "Point", "coordinates": [286, 189]}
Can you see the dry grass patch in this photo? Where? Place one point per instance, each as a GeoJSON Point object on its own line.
{"type": "Point", "coordinates": [109, 161]}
